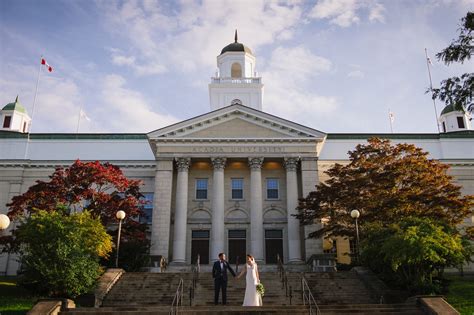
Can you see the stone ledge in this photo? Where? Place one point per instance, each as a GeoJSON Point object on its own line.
{"type": "Point", "coordinates": [105, 283]}
{"type": "Point", "coordinates": [50, 306]}
{"type": "Point", "coordinates": [436, 305]}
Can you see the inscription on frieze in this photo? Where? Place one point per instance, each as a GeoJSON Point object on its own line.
{"type": "Point", "coordinates": [254, 149]}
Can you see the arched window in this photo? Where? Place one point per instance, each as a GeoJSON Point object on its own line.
{"type": "Point", "coordinates": [236, 70]}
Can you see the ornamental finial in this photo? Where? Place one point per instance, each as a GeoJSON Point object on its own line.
{"type": "Point", "coordinates": [235, 37]}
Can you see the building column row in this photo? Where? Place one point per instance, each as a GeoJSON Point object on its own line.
{"type": "Point", "coordinates": [162, 209]}
{"type": "Point", "coordinates": [294, 240]}
{"type": "Point", "coordinates": [256, 208]}
{"type": "Point", "coordinates": [217, 227]}
{"type": "Point", "coordinates": [181, 211]}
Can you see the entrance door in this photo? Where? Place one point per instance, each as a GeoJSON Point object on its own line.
{"type": "Point", "coordinates": [273, 246]}
{"type": "Point", "coordinates": [237, 246]}
{"type": "Point", "coordinates": [200, 246]}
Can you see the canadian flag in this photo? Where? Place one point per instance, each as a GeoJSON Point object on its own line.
{"type": "Point", "coordinates": [43, 62]}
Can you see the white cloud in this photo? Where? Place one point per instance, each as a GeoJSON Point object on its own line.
{"type": "Point", "coordinates": [376, 13]}
{"type": "Point", "coordinates": [149, 68]}
{"type": "Point", "coordinates": [58, 99]}
{"type": "Point", "coordinates": [196, 30]}
{"type": "Point", "coordinates": [290, 93]}
{"type": "Point", "coordinates": [123, 60]}
{"type": "Point", "coordinates": [126, 110]}
{"type": "Point", "coordinates": [356, 74]}
{"type": "Point", "coordinates": [347, 12]}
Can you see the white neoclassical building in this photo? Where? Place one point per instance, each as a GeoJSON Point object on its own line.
{"type": "Point", "coordinates": [226, 181]}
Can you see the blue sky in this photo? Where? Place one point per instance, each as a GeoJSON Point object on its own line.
{"type": "Point", "coordinates": [136, 66]}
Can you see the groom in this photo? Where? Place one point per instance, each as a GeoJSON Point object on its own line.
{"type": "Point", "coordinates": [219, 273]}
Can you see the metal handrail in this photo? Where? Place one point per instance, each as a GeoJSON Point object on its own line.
{"type": "Point", "coordinates": [308, 298]}
{"type": "Point", "coordinates": [283, 275]}
{"type": "Point", "coordinates": [178, 298]}
{"type": "Point", "coordinates": [195, 269]}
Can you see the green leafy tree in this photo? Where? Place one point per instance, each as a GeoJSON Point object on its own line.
{"type": "Point", "coordinates": [60, 253]}
{"type": "Point", "coordinates": [458, 91]}
{"type": "Point", "coordinates": [386, 183]}
{"type": "Point", "coordinates": [414, 252]}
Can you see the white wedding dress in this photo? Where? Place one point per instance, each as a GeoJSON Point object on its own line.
{"type": "Point", "coordinates": [252, 298]}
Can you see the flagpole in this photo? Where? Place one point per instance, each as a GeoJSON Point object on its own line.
{"type": "Point", "coordinates": [390, 119]}
{"type": "Point", "coordinates": [33, 110]}
{"type": "Point", "coordinates": [431, 89]}
{"type": "Point", "coordinates": [79, 120]}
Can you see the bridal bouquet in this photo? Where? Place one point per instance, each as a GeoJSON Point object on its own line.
{"type": "Point", "coordinates": [260, 289]}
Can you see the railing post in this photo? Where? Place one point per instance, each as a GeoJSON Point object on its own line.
{"type": "Point", "coordinates": [190, 295]}
{"type": "Point", "coordinates": [198, 262]}
{"type": "Point", "coordinates": [291, 294]}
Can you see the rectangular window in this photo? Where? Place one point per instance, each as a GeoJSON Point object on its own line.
{"type": "Point", "coordinates": [200, 234]}
{"type": "Point", "coordinates": [272, 188]}
{"type": "Point", "coordinates": [24, 127]}
{"type": "Point", "coordinates": [237, 188]}
{"type": "Point", "coordinates": [201, 188]}
{"type": "Point", "coordinates": [461, 122]}
{"type": "Point", "coordinates": [237, 234]}
{"type": "Point", "coordinates": [7, 121]}
{"type": "Point", "coordinates": [147, 208]}
{"type": "Point", "coordinates": [273, 234]}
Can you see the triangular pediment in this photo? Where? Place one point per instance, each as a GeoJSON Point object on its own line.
{"type": "Point", "coordinates": [236, 122]}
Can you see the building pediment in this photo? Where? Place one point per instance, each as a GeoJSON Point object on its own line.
{"type": "Point", "coordinates": [236, 122]}
{"type": "Point", "coordinates": [236, 131]}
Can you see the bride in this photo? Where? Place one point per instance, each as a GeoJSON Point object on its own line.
{"type": "Point", "coordinates": [252, 298]}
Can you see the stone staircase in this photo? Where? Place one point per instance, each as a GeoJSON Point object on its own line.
{"type": "Point", "coordinates": [274, 294]}
{"type": "Point", "coordinates": [152, 293]}
{"type": "Point", "coordinates": [146, 289]}
{"type": "Point", "coordinates": [342, 287]}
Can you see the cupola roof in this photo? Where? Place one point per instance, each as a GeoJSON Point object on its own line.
{"type": "Point", "coordinates": [448, 109]}
{"type": "Point", "coordinates": [16, 106]}
{"type": "Point", "coordinates": [236, 46]}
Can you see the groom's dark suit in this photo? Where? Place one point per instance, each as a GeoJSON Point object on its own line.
{"type": "Point", "coordinates": [219, 273]}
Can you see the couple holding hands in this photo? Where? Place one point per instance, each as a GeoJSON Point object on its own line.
{"type": "Point", "coordinates": [253, 297]}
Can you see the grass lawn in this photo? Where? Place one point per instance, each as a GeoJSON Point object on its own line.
{"type": "Point", "coordinates": [461, 294]}
{"type": "Point", "coordinates": [13, 299]}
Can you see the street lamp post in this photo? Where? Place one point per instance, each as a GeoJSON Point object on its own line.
{"type": "Point", "coordinates": [120, 216]}
{"type": "Point", "coordinates": [4, 222]}
{"type": "Point", "coordinates": [355, 214]}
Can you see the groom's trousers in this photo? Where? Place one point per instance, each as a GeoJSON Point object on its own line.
{"type": "Point", "coordinates": [220, 284]}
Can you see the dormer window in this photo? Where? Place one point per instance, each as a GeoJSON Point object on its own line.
{"type": "Point", "coordinates": [7, 121]}
{"type": "Point", "coordinates": [461, 122]}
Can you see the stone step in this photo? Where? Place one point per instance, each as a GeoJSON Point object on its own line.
{"type": "Point", "coordinates": [386, 309]}
{"type": "Point", "coordinates": [235, 310]}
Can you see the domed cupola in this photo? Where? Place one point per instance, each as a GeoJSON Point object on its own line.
{"type": "Point", "coordinates": [452, 119]}
{"type": "Point", "coordinates": [236, 81]}
{"type": "Point", "coordinates": [14, 117]}
{"type": "Point", "coordinates": [236, 46]}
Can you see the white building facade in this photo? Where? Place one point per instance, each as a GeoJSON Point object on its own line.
{"type": "Point", "coordinates": [226, 181]}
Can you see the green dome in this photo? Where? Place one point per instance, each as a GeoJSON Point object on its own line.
{"type": "Point", "coordinates": [15, 106]}
{"type": "Point", "coordinates": [235, 46]}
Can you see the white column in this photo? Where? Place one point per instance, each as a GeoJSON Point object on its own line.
{"type": "Point", "coordinates": [160, 226]}
{"type": "Point", "coordinates": [217, 229]}
{"type": "Point", "coordinates": [294, 242]}
{"type": "Point", "coordinates": [310, 178]}
{"type": "Point", "coordinates": [256, 211]}
{"type": "Point", "coordinates": [181, 212]}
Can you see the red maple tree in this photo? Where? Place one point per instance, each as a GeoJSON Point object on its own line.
{"type": "Point", "coordinates": [102, 188]}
